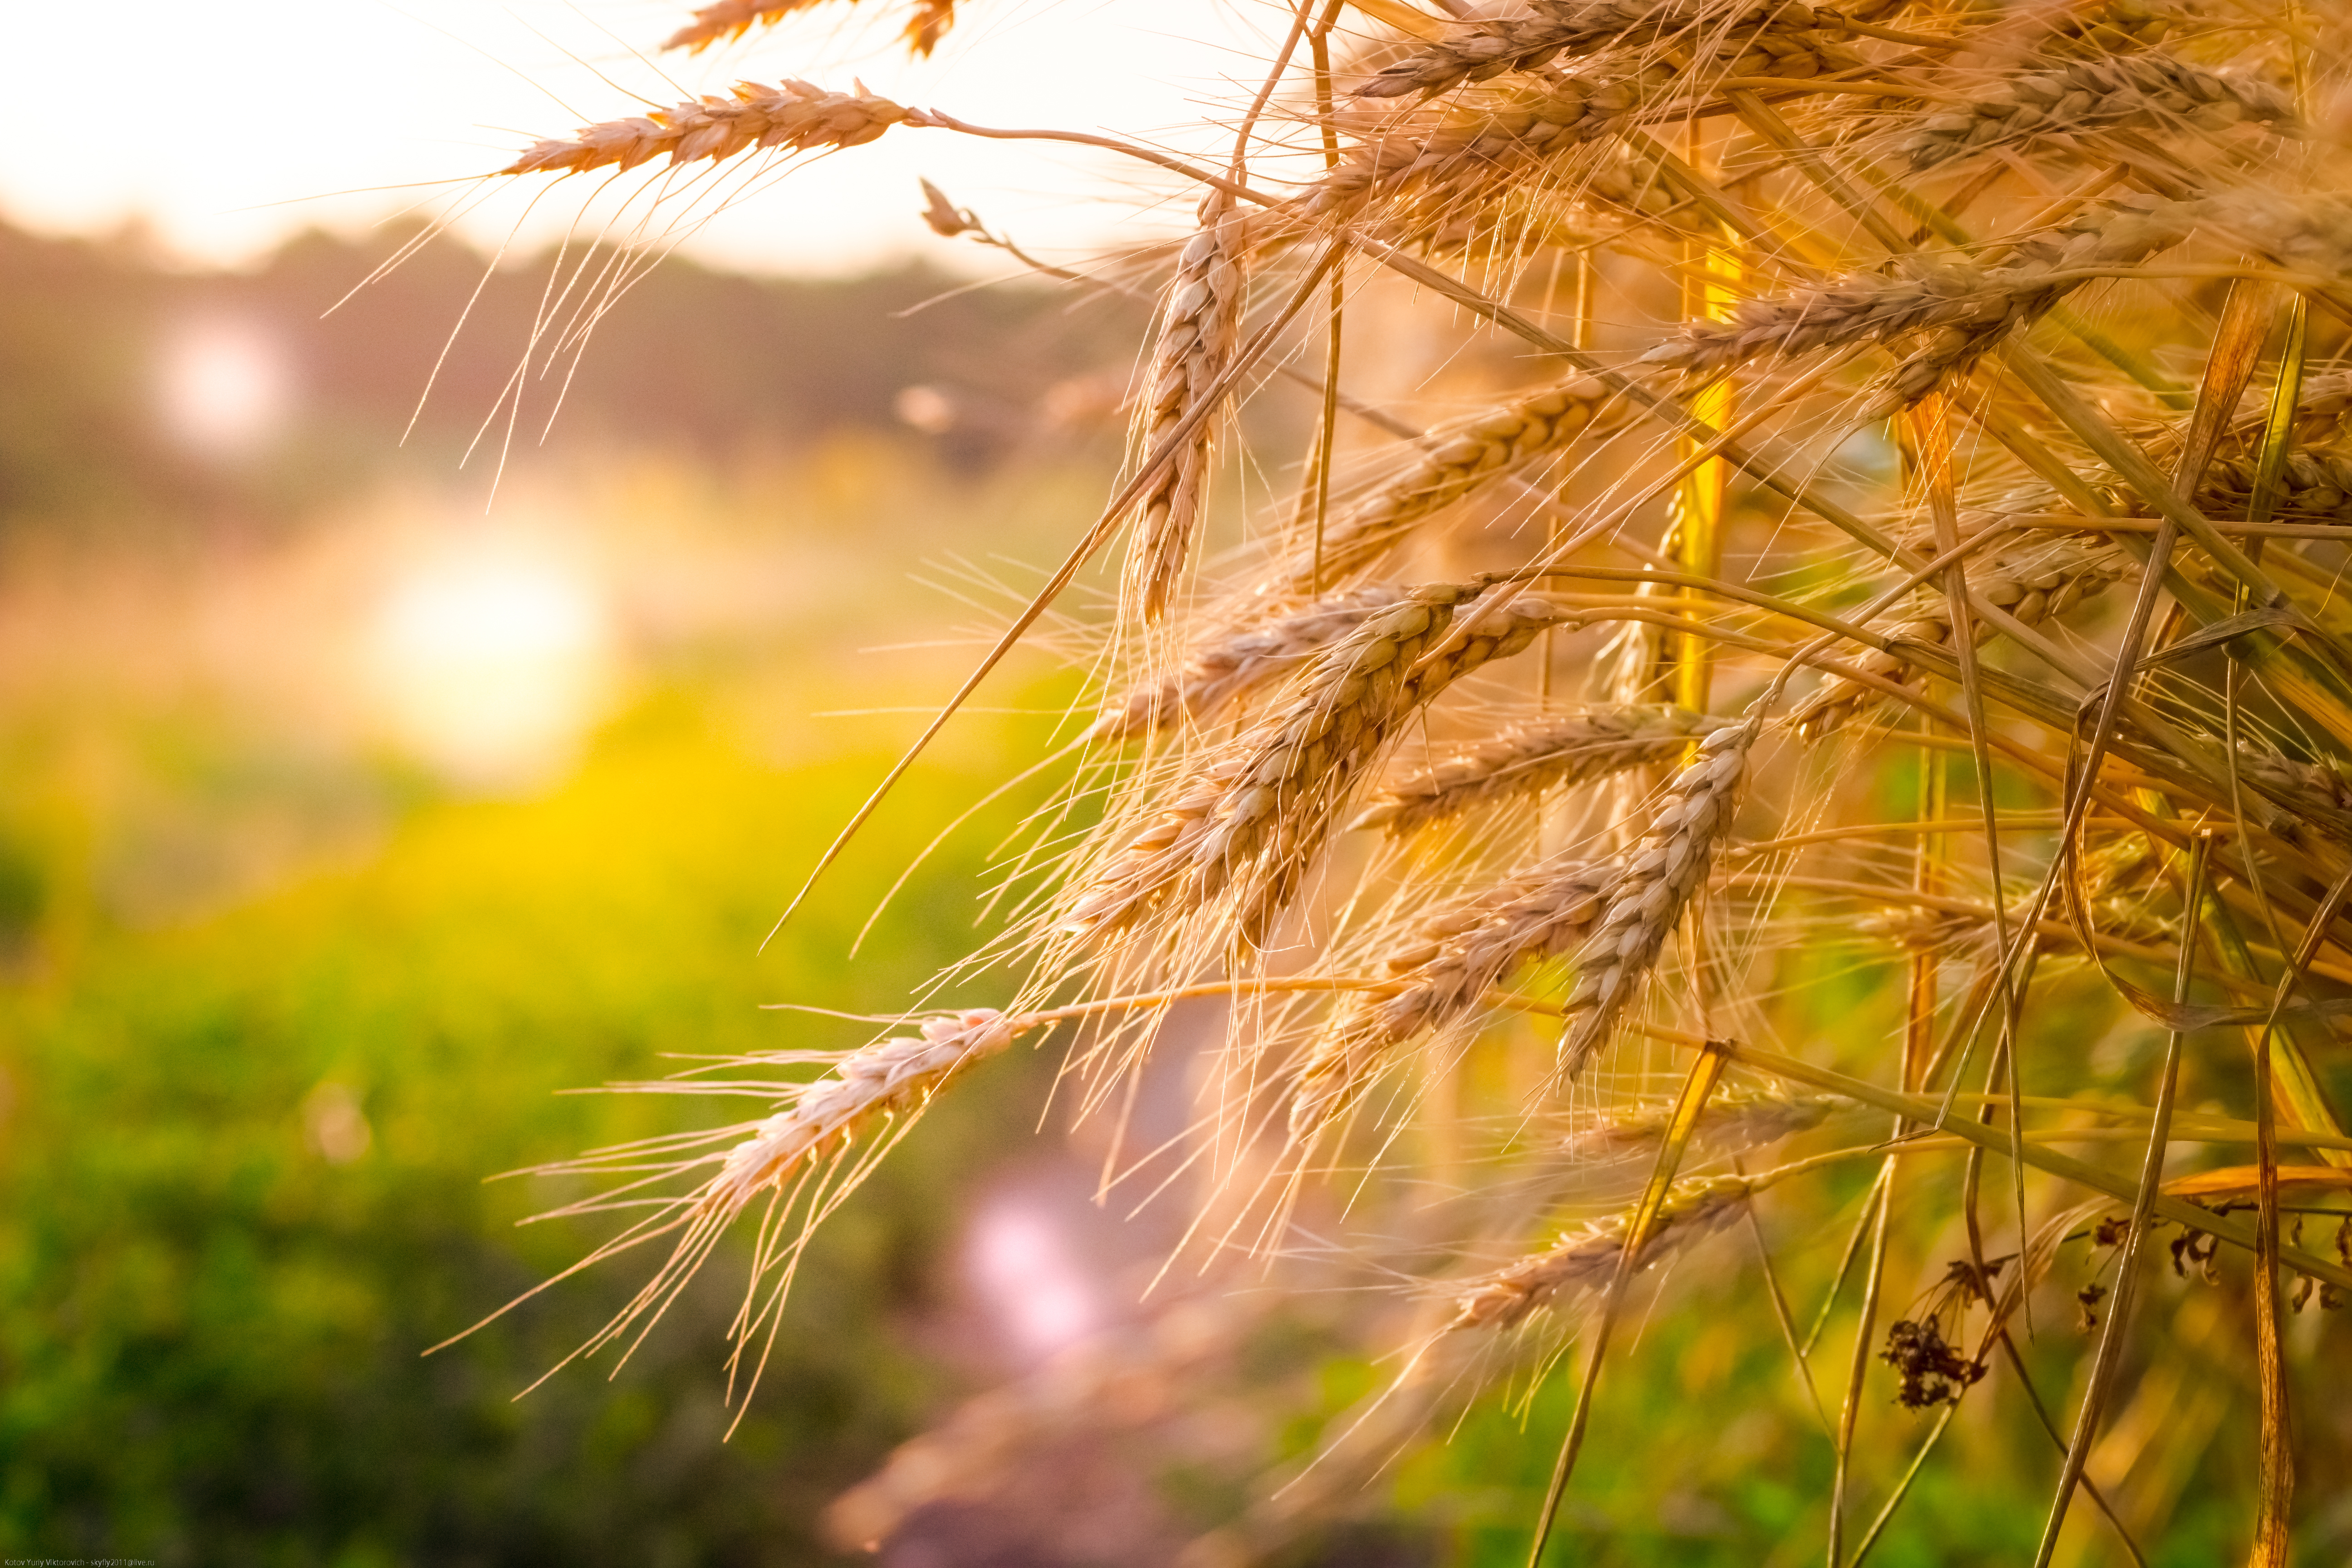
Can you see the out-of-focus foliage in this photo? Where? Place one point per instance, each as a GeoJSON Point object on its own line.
{"type": "Point", "coordinates": [219, 1290]}
{"type": "Point", "coordinates": [275, 998]}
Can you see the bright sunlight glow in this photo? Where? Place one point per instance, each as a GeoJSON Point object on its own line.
{"type": "Point", "coordinates": [343, 114]}
{"type": "Point", "coordinates": [492, 662]}
{"type": "Point", "coordinates": [223, 387]}
{"type": "Point", "coordinates": [1020, 1262]}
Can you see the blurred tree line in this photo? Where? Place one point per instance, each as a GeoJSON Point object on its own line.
{"type": "Point", "coordinates": [687, 360]}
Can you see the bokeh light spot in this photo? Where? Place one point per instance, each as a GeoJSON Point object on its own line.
{"type": "Point", "coordinates": [492, 663]}
{"type": "Point", "coordinates": [223, 387]}
{"type": "Point", "coordinates": [1020, 1262]}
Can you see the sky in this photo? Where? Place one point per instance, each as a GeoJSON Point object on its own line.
{"type": "Point", "coordinates": [227, 125]}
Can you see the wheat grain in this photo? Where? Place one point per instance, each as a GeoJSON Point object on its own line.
{"type": "Point", "coordinates": [2314, 485]}
{"type": "Point", "coordinates": [1199, 326]}
{"type": "Point", "coordinates": [1587, 1259]}
{"type": "Point", "coordinates": [1459, 954]}
{"type": "Point", "coordinates": [1229, 669]}
{"type": "Point", "coordinates": [2108, 28]}
{"type": "Point", "coordinates": [795, 117]}
{"type": "Point", "coordinates": [2121, 92]}
{"type": "Point", "coordinates": [1649, 896]}
{"type": "Point", "coordinates": [1560, 752]}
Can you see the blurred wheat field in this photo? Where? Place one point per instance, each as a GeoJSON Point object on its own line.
{"type": "Point", "coordinates": [1762, 790]}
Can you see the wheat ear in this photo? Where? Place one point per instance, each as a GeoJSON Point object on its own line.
{"type": "Point", "coordinates": [1735, 35]}
{"type": "Point", "coordinates": [1476, 145]}
{"type": "Point", "coordinates": [1458, 955]}
{"type": "Point", "coordinates": [796, 116]}
{"type": "Point", "coordinates": [1734, 1120]}
{"type": "Point", "coordinates": [892, 1076]}
{"type": "Point", "coordinates": [1587, 1259]}
{"type": "Point", "coordinates": [2121, 92]}
{"type": "Point", "coordinates": [1199, 326]}
{"type": "Point", "coordinates": [1230, 667]}
{"type": "Point", "coordinates": [1458, 460]}
{"type": "Point", "coordinates": [1963, 308]}
{"type": "Point", "coordinates": [1558, 752]}
{"type": "Point", "coordinates": [927, 22]}
{"type": "Point", "coordinates": [1646, 902]}
{"type": "Point", "coordinates": [2034, 587]}
{"type": "Point", "coordinates": [1259, 814]}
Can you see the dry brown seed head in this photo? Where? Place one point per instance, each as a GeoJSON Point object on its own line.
{"type": "Point", "coordinates": [1931, 1372]}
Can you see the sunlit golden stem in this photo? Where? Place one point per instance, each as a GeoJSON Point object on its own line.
{"type": "Point", "coordinates": [1710, 288]}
